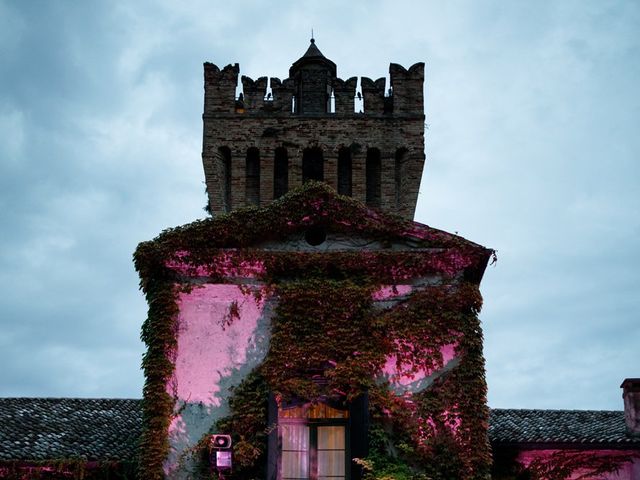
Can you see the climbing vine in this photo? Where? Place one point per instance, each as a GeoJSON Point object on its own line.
{"type": "Point", "coordinates": [327, 325]}
{"type": "Point", "coordinates": [329, 328]}
{"type": "Point", "coordinates": [70, 468]}
{"type": "Point", "coordinates": [559, 465]}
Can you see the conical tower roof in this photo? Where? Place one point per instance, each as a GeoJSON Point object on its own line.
{"type": "Point", "coordinates": [312, 56]}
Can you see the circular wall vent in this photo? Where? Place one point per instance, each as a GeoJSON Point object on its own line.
{"type": "Point", "coordinates": [315, 236]}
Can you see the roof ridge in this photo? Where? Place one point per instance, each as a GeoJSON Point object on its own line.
{"type": "Point", "coordinates": [551, 410]}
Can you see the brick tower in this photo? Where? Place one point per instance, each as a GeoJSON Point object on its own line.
{"type": "Point", "coordinates": [257, 147]}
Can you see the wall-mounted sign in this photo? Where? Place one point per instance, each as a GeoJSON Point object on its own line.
{"type": "Point", "coordinates": [223, 459]}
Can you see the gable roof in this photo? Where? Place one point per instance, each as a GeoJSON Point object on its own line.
{"type": "Point", "coordinates": [36, 429]}
{"type": "Point", "coordinates": [575, 427]}
{"type": "Point", "coordinates": [313, 205]}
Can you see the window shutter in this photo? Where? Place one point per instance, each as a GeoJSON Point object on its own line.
{"type": "Point", "coordinates": [359, 429]}
{"type": "Point", "coordinates": [272, 439]}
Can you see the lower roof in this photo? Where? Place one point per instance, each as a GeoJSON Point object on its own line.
{"type": "Point", "coordinates": [94, 429]}
{"type": "Point", "coordinates": [98, 429]}
{"type": "Point", "coordinates": [571, 427]}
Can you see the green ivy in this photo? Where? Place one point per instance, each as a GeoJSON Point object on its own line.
{"type": "Point", "coordinates": [326, 324]}
{"type": "Point", "coordinates": [70, 468]}
{"type": "Point", "coordinates": [559, 465]}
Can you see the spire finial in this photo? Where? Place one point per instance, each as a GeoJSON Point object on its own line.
{"type": "Point", "coordinates": [313, 40]}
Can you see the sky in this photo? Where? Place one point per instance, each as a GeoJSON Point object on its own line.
{"type": "Point", "coordinates": [532, 145]}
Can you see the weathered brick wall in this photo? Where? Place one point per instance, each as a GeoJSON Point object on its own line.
{"type": "Point", "coordinates": [388, 124]}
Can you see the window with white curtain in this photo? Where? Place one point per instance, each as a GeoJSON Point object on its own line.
{"type": "Point", "coordinates": [313, 442]}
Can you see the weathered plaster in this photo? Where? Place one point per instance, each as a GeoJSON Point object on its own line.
{"type": "Point", "coordinates": [403, 380]}
{"type": "Point", "coordinates": [223, 333]}
{"type": "Point", "coordinates": [387, 292]}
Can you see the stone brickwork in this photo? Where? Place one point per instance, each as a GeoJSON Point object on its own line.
{"type": "Point", "coordinates": [313, 109]}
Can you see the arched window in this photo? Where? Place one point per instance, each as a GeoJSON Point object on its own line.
{"type": "Point", "coordinates": [252, 184]}
{"type": "Point", "coordinates": [374, 177]}
{"type": "Point", "coordinates": [400, 174]}
{"type": "Point", "coordinates": [224, 157]}
{"type": "Point", "coordinates": [312, 164]}
{"type": "Point", "coordinates": [280, 173]}
{"type": "Point", "coordinates": [344, 172]}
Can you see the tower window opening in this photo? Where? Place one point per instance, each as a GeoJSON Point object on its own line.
{"type": "Point", "coordinates": [399, 174]}
{"type": "Point", "coordinates": [293, 104]}
{"type": "Point", "coordinates": [312, 165]}
{"type": "Point", "coordinates": [224, 157]}
{"type": "Point", "coordinates": [252, 182]}
{"type": "Point", "coordinates": [332, 102]}
{"type": "Point", "coordinates": [373, 178]}
{"type": "Point", "coordinates": [239, 97]}
{"type": "Point", "coordinates": [344, 172]}
{"type": "Point", "coordinates": [358, 100]}
{"type": "Point", "coordinates": [280, 172]}
{"type": "Point", "coordinates": [239, 88]}
{"type": "Point", "coordinates": [328, 98]}
{"type": "Point", "coordinates": [268, 94]}
{"type": "Point", "coordinates": [388, 101]}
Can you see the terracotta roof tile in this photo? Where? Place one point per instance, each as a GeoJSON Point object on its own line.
{"type": "Point", "coordinates": [35, 429]}
{"type": "Point", "coordinates": [559, 426]}
{"type": "Point", "coordinates": [56, 428]}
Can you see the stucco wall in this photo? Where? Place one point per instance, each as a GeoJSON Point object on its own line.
{"type": "Point", "coordinates": [223, 333]}
{"type": "Point", "coordinates": [225, 312]}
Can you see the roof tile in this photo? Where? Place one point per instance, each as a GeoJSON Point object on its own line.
{"type": "Point", "coordinates": [36, 429]}
{"type": "Point", "coordinates": [559, 426]}
{"type": "Point", "coordinates": [54, 428]}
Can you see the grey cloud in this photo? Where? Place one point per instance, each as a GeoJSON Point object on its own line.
{"type": "Point", "coordinates": [531, 149]}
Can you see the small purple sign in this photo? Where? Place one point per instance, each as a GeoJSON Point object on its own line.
{"type": "Point", "coordinates": [223, 459]}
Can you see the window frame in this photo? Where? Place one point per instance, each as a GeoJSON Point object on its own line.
{"type": "Point", "coordinates": [356, 435]}
{"type": "Point", "coordinates": [313, 424]}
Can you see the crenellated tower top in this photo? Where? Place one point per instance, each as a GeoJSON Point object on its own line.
{"type": "Point", "coordinates": [276, 134]}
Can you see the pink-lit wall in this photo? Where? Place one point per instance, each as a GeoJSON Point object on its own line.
{"type": "Point", "coordinates": [627, 471]}
{"type": "Point", "coordinates": [403, 379]}
{"type": "Point", "coordinates": [223, 333]}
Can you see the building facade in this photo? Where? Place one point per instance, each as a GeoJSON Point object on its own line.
{"type": "Point", "coordinates": [326, 332]}
{"type": "Point", "coordinates": [310, 329]}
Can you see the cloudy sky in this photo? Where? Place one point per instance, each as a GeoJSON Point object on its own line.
{"type": "Point", "coordinates": [533, 113]}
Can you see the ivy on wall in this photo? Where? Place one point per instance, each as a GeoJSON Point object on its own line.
{"type": "Point", "coordinates": [439, 433]}
{"type": "Point", "coordinates": [327, 324]}
{"type": "Point", "coordinates": [70, 468]}
{"type": "Point", "coordinates": [559, 465]}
